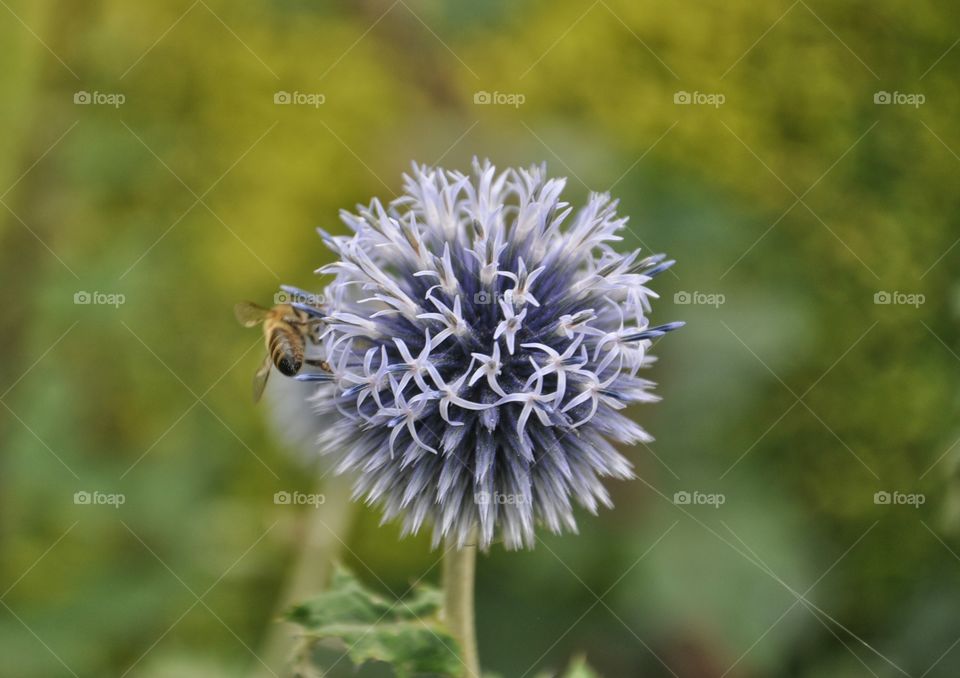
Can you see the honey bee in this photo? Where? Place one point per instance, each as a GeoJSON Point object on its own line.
{"type": "Point", "coordinates": [286, 330]}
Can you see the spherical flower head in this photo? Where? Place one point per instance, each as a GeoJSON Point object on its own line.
{"type": "Point", "coordinates": [483, 339]}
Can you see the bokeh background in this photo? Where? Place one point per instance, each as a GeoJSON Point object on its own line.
{"type": "Point", "coordinates": [795, 200]}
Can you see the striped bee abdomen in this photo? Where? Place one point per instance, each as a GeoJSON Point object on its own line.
{"type": "Point", "coordinates": [286, 349]}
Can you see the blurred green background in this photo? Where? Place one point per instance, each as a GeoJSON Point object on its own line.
{"type": "Point", "coordinates": [790, 207]}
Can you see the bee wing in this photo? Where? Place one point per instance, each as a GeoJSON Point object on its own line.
{"type": "Point", "coordinates": [249, 314]}
{"type": "Point", "coordinates": [260, 378]}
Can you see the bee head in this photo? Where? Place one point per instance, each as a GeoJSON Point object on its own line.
{"type": "Point", "coordinates": [288, 366]}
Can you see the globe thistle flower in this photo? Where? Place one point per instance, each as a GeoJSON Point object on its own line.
{"type": "Point", "coordinates": [483, 339]}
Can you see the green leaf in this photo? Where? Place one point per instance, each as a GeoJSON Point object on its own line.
{"type": "Point", "coordinates": [578, 669]}
{"type": "Point", "coordinates": [406, 634]}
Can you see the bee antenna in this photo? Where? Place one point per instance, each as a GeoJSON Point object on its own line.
{"type": "Point", "coordinates": [296, 291]}
{"type": "Point", "coordinates": [309, 310]}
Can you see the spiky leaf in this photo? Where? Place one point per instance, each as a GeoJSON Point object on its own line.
{"type": "Point", "coordinates": [407, 634]}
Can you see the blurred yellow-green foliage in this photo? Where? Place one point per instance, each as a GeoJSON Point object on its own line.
{"type": "Point", "coordinates": [798, 199]}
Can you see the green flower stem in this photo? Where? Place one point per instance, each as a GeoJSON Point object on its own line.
{"type": "Point", "coordinates": [323, 528]}
{"type": "Point", "coordinates": [459, 566]}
